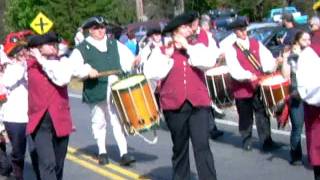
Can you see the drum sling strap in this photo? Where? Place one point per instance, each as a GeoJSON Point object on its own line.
{"type": "Point", "coordinates": [251, 58]}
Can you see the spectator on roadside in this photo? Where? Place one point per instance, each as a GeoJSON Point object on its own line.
{"type": "Point", "coordinates": [289, 68]}
{"type": "Point", "coordinates": [314, 24]}
{"type": "Point", "coordinates": [291, 30]}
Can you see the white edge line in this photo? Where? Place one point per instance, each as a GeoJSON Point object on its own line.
{"type": "Point", "coordinates": [220, 121]}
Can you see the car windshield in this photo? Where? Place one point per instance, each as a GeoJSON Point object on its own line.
{"type": "Point", "coordinates": [260, 34]}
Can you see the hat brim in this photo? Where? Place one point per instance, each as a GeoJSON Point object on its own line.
{"type": "Point", "coordinates": [16, 50]}
{"type": "Point", "coordinates": [154, 31]}
{"type": "Point", "coordinates": [179, 20]}
{"type": "Point", "coordinates": [239, 23]}
{"type": "Point", "coordinates": [92, 24]}
{"type": "Point", "coordinates": [38, 40]}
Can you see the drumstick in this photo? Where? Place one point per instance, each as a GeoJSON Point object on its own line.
{"type": "Point", "coordinates": [108, 73]}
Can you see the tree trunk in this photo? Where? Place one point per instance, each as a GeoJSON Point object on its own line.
{"type": "Point", "coordinates": [2, 8]}
{"type": "Point", "coordinates": [178, 7]}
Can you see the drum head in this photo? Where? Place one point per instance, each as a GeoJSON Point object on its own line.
{"type": "Point", "coordinates": [128, 82]}
{"type": "Point", "coordinates": [217, 71]}
{"type": "Point", "coordinates": [273, 80]}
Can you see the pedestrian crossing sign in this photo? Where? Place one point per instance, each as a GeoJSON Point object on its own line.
{"type": "Point", "coordinates": [41, 24]}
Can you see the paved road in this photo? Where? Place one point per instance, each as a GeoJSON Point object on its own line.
{"type": "Point", "coordinates": [153, 161]}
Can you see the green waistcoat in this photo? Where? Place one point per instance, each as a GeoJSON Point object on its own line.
{"type": "Point", "coordinates": [94, 90]}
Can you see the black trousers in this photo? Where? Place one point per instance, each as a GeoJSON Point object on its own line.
{"type": "Point", "coordinates": [17, 135]}
{"type": "Point", "coordinates": [212, 123]}
{"type": "Point", "coordinates": [51, 150]}
{"type": "Point", "coordinates": [190, 123]}
{"type": "Point", "coordinates": [248, 107]}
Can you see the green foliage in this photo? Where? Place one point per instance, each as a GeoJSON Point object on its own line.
{"type": "Point", "coordinates": [66, 15]}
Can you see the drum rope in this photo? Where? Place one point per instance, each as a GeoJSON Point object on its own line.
{"type": "Point", "coordinates": [134, 105]}
{"type": "Point", "coordinates": [153, 141]}
{"type": "Point", "coordinates": [225, 88]}
{"type": "Point", "coordinates": [215, 89]}
{"type": "Point", "coordinates": [145, 100]}
{"type": "Point", "coordinates": [265, 101]}
{"type": "Point", "coordinates": [272, 96]}
{"type": "Point", "coordinates": [126, 121]}
{"type": "Point", "coordinates": [282, 91]}
{"type": "Point", "coordinates": [208, 86]}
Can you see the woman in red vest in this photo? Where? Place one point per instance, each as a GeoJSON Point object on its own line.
{"type": "Point", "coordinates": [184, 97]}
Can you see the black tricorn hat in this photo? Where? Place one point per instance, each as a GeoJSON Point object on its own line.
{"type": "Point", "coordinates": [239, 22]}
{"type": "Point", "coordinates": [37, 40]}
{"type": "Point", "coordinates": [154, 30]}
{"type": "Point", "coordinates": [94, 21]}
{"type": "Point", "coordinates": [179, 20]}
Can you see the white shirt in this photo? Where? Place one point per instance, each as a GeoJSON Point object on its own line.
{"type": "Point", "coordinates": [308, 73]}
{"type": "Point", "coordinates": [267, 60]}
{"type": "Point", "coordinates": [61, 72]}
{"type": "Point", "coordinates": [3, 57]}
{"type": "Point", "coordinates": [15, 109]}
{"type": "Point", "coordinates": [159, 65]}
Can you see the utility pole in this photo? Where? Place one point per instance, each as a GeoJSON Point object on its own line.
{"type": "Point", "coordinates": [2, 9]}
{"type": "Point", "coordinates": [139, 10]}
{"type": "Point", "coordinates": [178, 7]}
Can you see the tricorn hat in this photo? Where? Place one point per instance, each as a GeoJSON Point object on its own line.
{"type": "Point", "coordinates": [239, 22]}
{"type": "Point", "coordinates": [37, 40]}
{"type": "Point", "coordinates": [154, 30]}
{"type": "Point", "coordinates": [179, 20]}
{"type": "Point", "coordinates": [94, 21]}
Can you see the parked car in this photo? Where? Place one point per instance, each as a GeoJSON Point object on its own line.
{"type": "Point", "coordinates": [221, 18]}
{"type": "Point", "coordinates": [276, 14]}
{"type": "Point", "coordinates": [267, 33]}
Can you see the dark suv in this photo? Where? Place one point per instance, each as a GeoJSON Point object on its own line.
{"type": "Point", "coordinates": [221, 18]}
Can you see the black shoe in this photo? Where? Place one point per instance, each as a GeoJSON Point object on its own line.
{"type": "Point", "coordinates": [126, 160]}
{"type": "Point", "coordinates": [296, 156]}
{"type": "Point", "coordinates": [103, 159]}
{"type": "Point", "coordinates": [270, 145]}
{"type": "Point", "coordinates": [247, 145]}
{"type": "Point", "coordinates": [295, 162]}
{"type": "Point", "coordinates": [214, 134]}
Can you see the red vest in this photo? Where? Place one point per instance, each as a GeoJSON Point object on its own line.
{"type": "Point", "coordinates": [246, 89]}
{"type": "Point", "coordinates": [315, 42]}
{"type": "Point", "coordinates": [45, 96]}
{"type": "Point", "coordinates": [183, 83]}
{"type": "Point", "coordinates": [315, 38]}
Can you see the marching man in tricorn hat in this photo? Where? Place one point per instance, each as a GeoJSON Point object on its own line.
{"type": "Point", "coordinates": [184, 97]}
{"type": "Point", "coordinates": [49, 113]}
{"type": "Point", "coordinates": [97, 53]}
{"type": "Point", "coordinates": [245, 72]}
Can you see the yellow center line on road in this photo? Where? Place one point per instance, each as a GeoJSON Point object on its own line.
{"type": "Point", "coordinates": [93, 168]}
{"type": "Point", "coordinates": [111, 166]}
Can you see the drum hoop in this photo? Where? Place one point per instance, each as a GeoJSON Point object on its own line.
{"type": "Point", "coordinates": [132, 87]}
{"type": "Point", "coordinates": [124, 122]}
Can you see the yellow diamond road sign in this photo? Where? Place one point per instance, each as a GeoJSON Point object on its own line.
{"type": "Point", "coordinates": [41, 24]}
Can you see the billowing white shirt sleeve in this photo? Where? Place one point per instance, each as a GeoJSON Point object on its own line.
{"type": "Point", "coordinates": [58, 71]}
{"type": "Point", "coordinates": [236, 70]}
{"type": "Point", "coordinates": [201, 56]}
{"type": "Point", "coordinates": [158, 65]}
{"type": "Point", "coordinates": [126, 57]}
{"type": "Point", "coordinates": [13, 73]}
{"type": "Point", "coordinates": [267, 60]}
{"type": "Point", "coordinates": [308, 72]}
